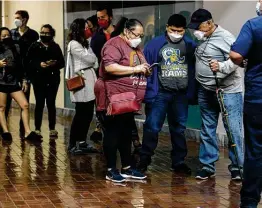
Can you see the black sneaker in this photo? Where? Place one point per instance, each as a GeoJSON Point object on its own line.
{"type": "Point", "coordinates": [32, 137]}
{"type": "Point", "coordinates": [7, 136]}
{"type": "Point", "coordinates": [204, 174]}
{"type": "Point", "coordinates": [235, 175]}
{"type": "Point", "coordinates": [96, 137]}
{"type": "Point", "coordinates": [182, 169]}
{"type": "Point", "coordinates": [131, 173]}
{"type": "Point", "coordinates": [114, 176]}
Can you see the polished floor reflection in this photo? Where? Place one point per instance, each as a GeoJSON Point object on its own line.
{"type": "Point", "coordinates": [45, 176]}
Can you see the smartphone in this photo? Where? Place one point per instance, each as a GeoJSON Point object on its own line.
{"type": "Point", "coordinates": [153, 65]}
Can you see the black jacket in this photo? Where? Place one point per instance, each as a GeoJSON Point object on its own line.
{"type": "Point", "coordinates": [97, 43]}
{"type": "Point", "coordinates": [38, 53]}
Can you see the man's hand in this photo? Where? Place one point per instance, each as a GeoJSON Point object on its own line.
{"type": "Point", "coordinates": [43, 64]}
{"type": "Point", "coordinates": [51, 62]}
{"type": "Point", "coordinates": [24, 86]}
{"type": "Point", "coordinates": [214, 65]}
{"type": "Point", "coordinates": [3, 62]}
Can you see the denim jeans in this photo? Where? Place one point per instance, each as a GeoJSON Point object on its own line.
{"type": "Point", "coordinates": [252, 184]}
{"type": "Point", "coordinates": [175, 106]}
{"type": "Point", "coordinates": [209, 109]}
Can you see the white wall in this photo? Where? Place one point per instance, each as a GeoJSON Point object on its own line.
{"type": "Point", "coordinates": [40, 12]}
{"type": "Point", "coordinates": [231, 14]}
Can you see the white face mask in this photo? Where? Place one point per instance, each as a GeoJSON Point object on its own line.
{"type": "Point", "coordinates": [199, 35]}
{"type": "Point", "coordinates": [135, 42]}
{"type": "Point", "coordinates": [258, 9]}
{"type": "Point", "coordinates": [175, 37]}
{"type": "Point", "coordinates": [18, 22]}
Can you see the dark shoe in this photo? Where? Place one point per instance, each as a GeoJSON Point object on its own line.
{"type": "Point", "coordinates": [204, 174]}
{"type": "Point", "coordinates": [34, 137]}
{"type": "Point", "coordinates": [115, 176]}
{"type": "Point", "coordinates": [142, 166]}
{"type": "Point", "coordinates": [132, 173]}
{"type": "Point", "coordinates": [7, 137]}
{"type": "Point", "coordinates": [96, 137]}
{"type": "Point", "coordinates": [87, 147]}
{"type": "Point", "coordinates": [182, 169]}
{"type": "Point", "coordinates": [235, 175]}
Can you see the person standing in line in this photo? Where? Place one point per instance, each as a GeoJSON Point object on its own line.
{"type": "Point", "coordinates": [212, 53]}
{"type": "Point", "coordinates": [122, 70]}
{"type": "Point", "coordinates": [81, 61]}
{"type": "Point", "coordinates": [105, 32]}
{"type": "Point", "coordinates": [10, 83]}
{"type": "Point", "coordinates": [170, 89]}
{"type": "Point", "coordinates": [24, 37]}
{"type": "Point", "coordinates": [249, 46]}
{"type": "Point", "coordinates": [45, 59]}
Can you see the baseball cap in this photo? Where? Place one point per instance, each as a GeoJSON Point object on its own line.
{"type": "Point", "coordinates": [199, 16]}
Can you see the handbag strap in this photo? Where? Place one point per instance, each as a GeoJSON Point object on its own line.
{"type": "Point", "coordinates": [68, 62]}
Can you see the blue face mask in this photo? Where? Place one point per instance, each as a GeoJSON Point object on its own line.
{"type": "Point", "coordinates": [258, 9]}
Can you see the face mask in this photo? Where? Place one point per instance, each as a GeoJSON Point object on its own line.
{"type": "Point", "coordinates": [103, 23]}
{"type": "Point", "coordinates": [18, 22]}
{"type": "Point", "coordinates": [134, 42]}
{"type": "Point", "coordinates": [46, 39]}
{"type": "Point", "coordinates": [174, 37]}
{"type": "Point", "coordinates": [199, 35]}
{"type": "Point", "coordinates": [88, 33]}
{"type": "Point", "coordinates": [7, 41]}
{"type": "Point", "coordinates": [258, 9]}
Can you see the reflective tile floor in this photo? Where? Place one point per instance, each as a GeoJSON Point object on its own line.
{"type": "Point", "coordinates": [45, 176]}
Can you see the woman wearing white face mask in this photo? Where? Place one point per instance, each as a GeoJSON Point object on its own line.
{"type": "Point", "coordinates": [123, 69]}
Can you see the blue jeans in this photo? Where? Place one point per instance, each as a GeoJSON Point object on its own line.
{"type": "Point", "coordinates": [252, 184]}
{"type": "Point", "coordinates": [209, 109]}
{"type": "Point", "coordinates": [175, 106]}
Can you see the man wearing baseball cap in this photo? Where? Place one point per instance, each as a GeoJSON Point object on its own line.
{"type": "Point", "coordinates": [212, 54]}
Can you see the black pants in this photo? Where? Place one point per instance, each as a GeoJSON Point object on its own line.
{"type": "Point", "coordinates": [84, 112]}
{"type": "Point", "coordinates": [8, 106]}
{"type": "Point", "coordinates": [118, 136]}
{"type": "Point", "coordinates": [45, 93]}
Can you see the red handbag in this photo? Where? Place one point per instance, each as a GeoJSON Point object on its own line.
{"type": "Point", "coordinates": [123, 103]}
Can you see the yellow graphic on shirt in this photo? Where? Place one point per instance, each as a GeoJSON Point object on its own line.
{"type": "Point", "coordinates": [173, 65]}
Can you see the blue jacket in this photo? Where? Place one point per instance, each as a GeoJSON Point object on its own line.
{"type": "Point", "coordinates": [151, 52]}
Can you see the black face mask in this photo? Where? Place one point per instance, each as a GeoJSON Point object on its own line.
{"type": "Point", "coordinates": [46, 39]}
{"type": "Point", "coordinates": [7, 41]}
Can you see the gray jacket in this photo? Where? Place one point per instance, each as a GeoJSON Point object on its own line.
{"type": "Point", "coordinates": [81, 61]}
{"type": "Point", "coordinates": [217, 46]}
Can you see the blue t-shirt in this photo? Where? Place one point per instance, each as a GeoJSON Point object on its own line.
{"type": "Point", "coordinates": [249, 45]}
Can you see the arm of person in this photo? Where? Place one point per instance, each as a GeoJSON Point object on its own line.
{"type": "Point", "coordinates": [227, 67]}
{"type": "Point", "coordinates": [86, 57]}
{"type": "Point", "coordinates": [111, 58]}
{"type": "Point", "coordinates": [241, 47]}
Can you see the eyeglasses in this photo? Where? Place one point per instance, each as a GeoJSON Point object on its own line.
{"type": "Point", "coordinates": [45, 33]}
{"type": "Point", "coordinates": [137, 35]}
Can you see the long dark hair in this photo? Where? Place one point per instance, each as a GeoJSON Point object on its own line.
{"type": "Point", "coordinates": [123, 23]}
{"type": "Point", "coordinates": [77, 32]}
{"type": "Point", "coordinates": [12, 46]}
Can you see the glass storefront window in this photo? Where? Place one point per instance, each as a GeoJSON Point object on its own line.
{"type": "Point", "coordinates": [153, 15]}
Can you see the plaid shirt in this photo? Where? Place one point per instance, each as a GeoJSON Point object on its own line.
{"type": "Point", "coordinates": [24, 42]}
{"type": "Point", "coordinates": [15, 35]}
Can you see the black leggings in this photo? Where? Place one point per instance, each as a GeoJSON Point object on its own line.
{"type": "Point", "coordinates": [84, 112]}
{"type": "Point", "coordinates": [45, 92]}
{"type": "Point", "coordinates": [118, 136]}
